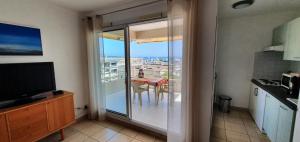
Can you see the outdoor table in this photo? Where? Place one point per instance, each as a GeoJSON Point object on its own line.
{"type": "Point", "coordinates": [155, 82]}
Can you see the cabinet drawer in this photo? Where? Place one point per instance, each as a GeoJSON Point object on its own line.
{"type": "Point", "coordinates": [28, 124]}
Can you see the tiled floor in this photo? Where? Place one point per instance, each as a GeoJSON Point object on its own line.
{"type": "Point", "coordinates": [94, 131]}
{"type": "Point", "coordinates": [149, 113]}
{"type": "Point", "coordinates": [236, 126]}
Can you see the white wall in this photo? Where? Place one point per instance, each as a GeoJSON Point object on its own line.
{"type": "Point", "coordinates": [238, 39]}
{"type": "Point", "coordinates": [60, 30]}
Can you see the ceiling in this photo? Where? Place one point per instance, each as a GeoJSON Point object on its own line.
{"type": "Point", "coordinates": [259, 7]}
{"type": "Point", "coordinates": [88, 5]}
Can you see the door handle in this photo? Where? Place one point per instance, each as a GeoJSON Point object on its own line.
{"type": "Point", "coordinates": [256, 92]}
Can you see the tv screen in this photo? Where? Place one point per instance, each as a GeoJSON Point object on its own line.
{"type": "Point", "coordinates": [23, 80]}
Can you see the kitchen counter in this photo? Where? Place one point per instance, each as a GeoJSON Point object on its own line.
{"type": "Point", "coordinates": [278, 92]}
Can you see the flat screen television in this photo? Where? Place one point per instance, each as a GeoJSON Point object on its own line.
{"type": "Point", "coordinates": [24, 80]}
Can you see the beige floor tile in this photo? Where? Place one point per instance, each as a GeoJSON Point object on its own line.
{"type": "Point", "coordinates": [144, 137]}
{"type": "Point", "coordinates": [245, 115]}
{"type": "Point", "coordinates": [260, 138]}
{"type": "Point", "coordinates": [81, 125]}
{"type": "Point", "coordinates": [104, 135]}
{"type": "Point", "coordinates": [235, 120]}
{"type": "Point", "coordinates": [254, 132]}
{"type": "Point", "coordinates": [90, 140]}
{"type": "Point", "coordinates": [217, 140]}
{"type": "Point", "coordinates": [232, 113]}
{"type": "Point", "coordinates": [249, 123]}
{"type": "Point", "coordinates": [218, 114]}
{"type": "Point", "coordinates": [79, 137]}
{"type": "Point", "coordinates": [236, 137]}
{"type": "Point", "coordinates": [219, 133]}
{"type": "Point", "coordinates": [120, 138]}
{"type": "Point", "coordinates": [219, 123]}
{"type": "Point", "coordinates": [129, 132]}
{"type": "Point", "coordinates": [70, 131]}
{"type": "Point", "coordinates": [94, 131]}
{"type": "Point", "coordinates": [239, 128]}
{"type": "Point", "coordinates": [110, 125]}
{"type": "Point", "coordinates": [91, 130]}
{"type": "Point", "coordinates": [135, 140]}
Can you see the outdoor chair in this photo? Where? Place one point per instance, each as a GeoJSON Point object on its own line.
{"type": "Point", "coordinates": [139, 88]}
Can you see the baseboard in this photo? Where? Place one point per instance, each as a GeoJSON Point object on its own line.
{"type": "Point", "coordinates": [82, 118]}
{"type": "Point", "coordinates": [233, 108]}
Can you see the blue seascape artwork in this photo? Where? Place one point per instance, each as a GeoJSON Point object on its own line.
{"type": "Point", "coordinates": [19, 40]}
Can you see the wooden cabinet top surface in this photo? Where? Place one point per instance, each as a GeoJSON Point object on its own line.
{"type": "Point", "coordinates": [49, 97]}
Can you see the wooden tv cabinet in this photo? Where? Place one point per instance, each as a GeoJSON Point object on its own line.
{"type": "Point", "coordinates": [34, 121]}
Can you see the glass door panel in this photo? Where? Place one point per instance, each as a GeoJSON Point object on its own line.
{"type": "Point", "coordinates": [149, 73]}
{"type": "Point", "coordinates": [114, 71]}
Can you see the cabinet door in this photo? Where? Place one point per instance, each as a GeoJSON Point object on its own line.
{"type": "Point", "coordinates": [271, 117]}
{"type": "Point", "coordinates": [292, 44]}
{"type": "Point", "coordinates": [60, 113]}
{"type": "Point", "coordinates": [28, 124]}
{"type": "Point", "coordinates": [253, 100]}
{"type": "Point", "coordinates": [285, 124]}
{"type": "Point", "coordinates": [279, 35]}
{"type": "Point", "coordinates": [260, 108]}
{"type": "Point", "coordinates": [3, 129]}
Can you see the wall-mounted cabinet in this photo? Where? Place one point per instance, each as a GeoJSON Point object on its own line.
{"type": "Point", "coordinates": [279, 35]}
{"type": "Point", "coordinates": [288, 36]}
{"type": "Point", "coordinates": [292, 43]}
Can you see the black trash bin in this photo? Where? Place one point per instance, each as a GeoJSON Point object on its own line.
{"type": "Point", "coordinates": [224, 103]}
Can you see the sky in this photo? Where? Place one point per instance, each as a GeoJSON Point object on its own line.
{"type": "Point", "coordinates": [153, 49]}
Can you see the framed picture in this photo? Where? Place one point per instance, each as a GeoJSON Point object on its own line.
{"type": "Point", "coordinates": [20, 40]}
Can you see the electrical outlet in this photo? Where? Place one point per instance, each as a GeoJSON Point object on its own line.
{"type": "Point", "coordinates": [86, 107]}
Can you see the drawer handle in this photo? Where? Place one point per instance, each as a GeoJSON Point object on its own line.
{"type": "Point", "coordinates": [256, 92]}
{"type": "Point", "coordinates": [297, 57]}
{"type": "Point", "coordinates": [284, 108]}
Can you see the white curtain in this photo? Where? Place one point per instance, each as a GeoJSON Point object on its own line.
{"type": "Point", "coordinates": [178, 116]}
{"type": "Point", "coordinates": [93, 30]}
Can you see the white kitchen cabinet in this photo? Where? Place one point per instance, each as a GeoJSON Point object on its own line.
{"type": "Point", "coordinates": [285, 124]}
{"type": "Point", "coordinates": [292, 42]}
{"type": "Point", "coordinates": [257, 105]}
{"type": "Point", "coordinates": [279, 35]}
{"type": "Point", "coordinates": [270, 126]}
{"type": "Point", "coordinates": [260, 108]}
{"type": "Point", "coordinates": [271, 116]}
{"type": "Point", "coordinates": [253, 100]}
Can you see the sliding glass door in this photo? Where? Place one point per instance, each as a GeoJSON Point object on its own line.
{"type": "Point", "coordinates": [149, 73]}
{"type": "Point", "coordinates": [114, 71]}
{"type": "Point", "coordinates": [135, 73]}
